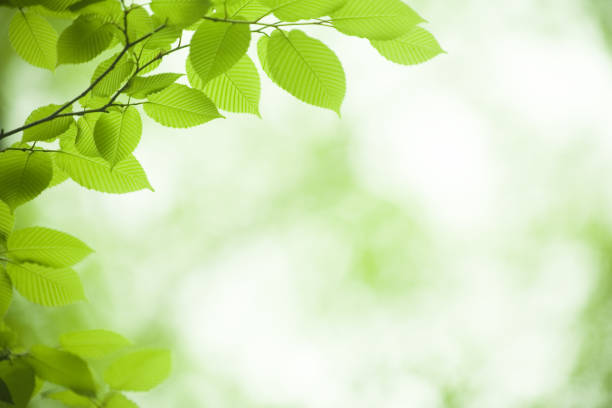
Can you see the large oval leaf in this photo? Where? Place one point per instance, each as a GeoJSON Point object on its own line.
{"type": "Point", "coordinates": [117, 134]}
{"type": "Point", "coordinates": [306, 68]}
{"type": "Point", "coordinates": [217, 46]}
{"type": "Point", "coordinates": [83, 40]}
{"type": "Point", "coordinates": [34, 39]}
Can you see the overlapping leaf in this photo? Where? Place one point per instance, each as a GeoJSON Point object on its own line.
{"type": "Point", "coordinates": [23, 176]}
{"type": "Point", "coordinates": [141, 87]}
{"type": "Point", "coordinates": [83, 40]}
{"type": "Point", "coordinates": [47, 247]}
{"type": "Point", "coordinates": [180, 12]}
{"type": "Point", "coordinates": [294, 10]}
{"type": "Point", "coordinates": [139, 371]}
{"type": "Point", "coordinates": [179, 106]}
{"type": "Point", "coordinates": [414, 47]}
{"type": "Point", "coordinates": [50, 129]}
{"type": "Point", "coordinates": [45, 285]}
{"type": "Point", "coordinates": [117, 134]}
{"type": "Point", "coordinates": [93, 343]}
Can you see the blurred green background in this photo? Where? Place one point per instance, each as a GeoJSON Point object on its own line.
{"type": "Point", "coordinates": [447, 243]}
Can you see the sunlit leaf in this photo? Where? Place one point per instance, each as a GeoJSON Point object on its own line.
{"type": "Point", "coordinates": [93, 343]}
{"type": "Point", "coordinates": [139, 371]}
{"type": "Point", "coordinates": [179, 106]}
{"type": "Point", "coordinates": [23, 176]}
{"type": "Point", "coordinates": [415, 47]}
{"type": "Point", "coordinates": [34, 39]}
{"type": "Point", "coordinates": [47, 130]}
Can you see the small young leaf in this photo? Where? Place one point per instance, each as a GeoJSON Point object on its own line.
{"type": "Point", "coordinates": [139, 371]}
{"type": "Point", "coordinates": [141, 87]}
{"type": "Point", "coordinates": [47, 130]}
{"type": "Point", "coordinates": [115, 78]}
{"type": "Point", "coordinates": [7, 221]}
{"type": "Point", "coordinates": [375, 20]}
{"type": "Point", "coordinates": [93, 343]}
{"type": "Point", "coordinates": [71, 399]}
{"type": "Point", "coordinates": [34, 39]}
{"type": "Point", "coordinates": [306, 68]}
{"type": "Point", "coordinates": [46, 286]}
{"type": "Point", "coordinates": [415, 47]}
{"type": "Point", "coordinates": [217, 46]}
{"type": "Point", "coordinates": [62, 368]}
{"type": "Point", "coordinates": [294, 10]}
{"type": "Point", "coordinates": [180, 13]}
{"type": "Point", "coordinates": [117, 134]}
{"type": "Point", "coordinates": [23, 176]}
{"type": "Point", "coordinates": [19, 379]}
{"type": "Point", "coordinates": [46, 246]}
{"type": "Point", "coordinates": [237, 90]}
{"type": "Point", "coordinates": [117, 400]}
{"type": "Point", "coordinates": [179, 106]}
{"type": "Point", "coordinates": [83, 40]}
{"type": "Point", "coordinates": [95, 173]}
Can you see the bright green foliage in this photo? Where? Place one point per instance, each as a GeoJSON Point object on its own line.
{"type": "Point", "coordinates": [48, 130]}
{"type": "Point", "coordinates": [62, 368]}
{"type": "Point", "coordinates": [93, 343]}
{"type": "Point", "coordinates": [84, 141]}
{"type": "Point", "coordinates": [139, 371]}
{"type": "Point", "coordinates": [217, 46]}
{"type": "Point", "coordinates": [83, 40]}
{"type": "Point", "coordinates": [45, 285]}
{"type": "Point", "coordinates": [180, 106]}
{"type": "Point", "coordinates": [96, 174]}
{"type": "Point", "coordinates": [117, 400]}
{"type": "Point", "coordinates": [180, 13]}
{"type": "Point", "coordinates": [46, 246]}
{"type": "Point", "coordinates": [376, 20]}
{"type": "Point", "coordinates": [415, 47]}
{"type": "Point", "coordinates": [96, 151]}
{"type": "Point", "coordinates": [117, 134]}
{"type": "Point", "coordinates": [34, 39]}
{"type": "Point", "coordinates": [23, 176]}
{"type": "Point", "coordinates": [248, 9]}
{"type": "Point", "coordinates": [71, 399]}
{"type": "Point", "coordinates": [115, 78]}
{"type": "Point", "coordinates": [141, 87]}
{"type": "Point", "coordinates": [6, 292]}
{"type": "Point", "coordinates": [237, 90]}
{"type": "Point", "coordinates": [7, 220]}
{"type": "Point", "coordinates": [294, 10]}
{"type": "Point", "coordinates": [306, 68]}
{"type": "Point", "coordinates": [19, 379]}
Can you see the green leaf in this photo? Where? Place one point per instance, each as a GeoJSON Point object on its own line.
{"type": "Point", "coordinates": [62, 368]}
{"type": "Point", "coordinates": [376, 20]}
{"type": "Point", "coordinates": [34, 39]}
{"type": "Point", "coordinates": [414, 47]}
{"type": "Point", "coordinates": [107, 10]}
{"type": "Point", "coordinates": [294, 10]}
{"type": "Point", "coordinates": [6, 293]}
{"type": "Point", "coordinates": [181, 13]}
{"type": "Point", "coordinates": [163, 37]}
{"type": "Point", "coordinates": [307, 69]}
{"type": "Point", "coordinates": [115, 78]}
{"type": "Point", "coordinates": [7, 221]}
{"type": "Point", "coordinates": [140, 87]}
{"type": "Point", "coordinates": [217, 46]}
{"type": "Point", "coordinates": [23, 176]}
{"type": "Point", "coordinates": [46, 286]}
{"type": "Point", "coordinates": [93, 343]}
{"type": "Point", "coordinates": [19, 379]}
{"type": "Point", "coordinates": [139, 24]}
{"type": "Point", "coordinates": [83, 40]}
{"type": "Point", "coordinates": [96, 174]}
{"type": "Point", "coordinates": [149, 59]}
{"type": "Point", "coordinates": [5, 393]}
{"type": "Point", "coordinates": [71, 399]}
{"type": "Point", "coordinates": [247, 9]}
{"type": "Point", "coordinates": [237, 90]}
{"type": "Point", "coordinates": [117, 400]}
{"type": "Point", "coordinates": [179, 106]}
{"type": "Point", "coordinates": [57, 5]}
{"type": "Point", "coordinates": [139, 371]}
{"type": "Point", "coordinates": [262, 53]}
{"type": "Point", "coordinates": [46, 246]}
{"type": "Point", "coordinates": [84, 141]}
{"type": "Point", "coordinates": [117, 134]}
{"type": "Point", "coordinates": [47, 130]}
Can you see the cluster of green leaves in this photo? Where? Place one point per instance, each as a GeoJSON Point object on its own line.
{"type": "Point", "coordinates": [92, 137]}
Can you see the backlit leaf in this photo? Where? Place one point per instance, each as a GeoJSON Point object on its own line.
{"type": "Point", "coordinates": [83, 40]}
{"type": "Point", "coordinates": [179, 106]}
{"type": "Point", "coordinates": [47, 130]}
{"type": "Point", "coordinates": [415, 47]}
{"type": "Point", "coordinates": [141, 87]}
{"type": "Point", "coordinates": [23, 176]}
{"type": "Point", "coordinates": [180, 12]}
{"type": "Point", "coordinates": [294, 10]}
{"type": "Point", "coordinates": [34, 39]}
{"type": "Point", "coordinates": [117, 134]}
{"type": "Point", "coordinates": [139, 371]}
{"type": "Point", "coordinates": [93, 343]}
